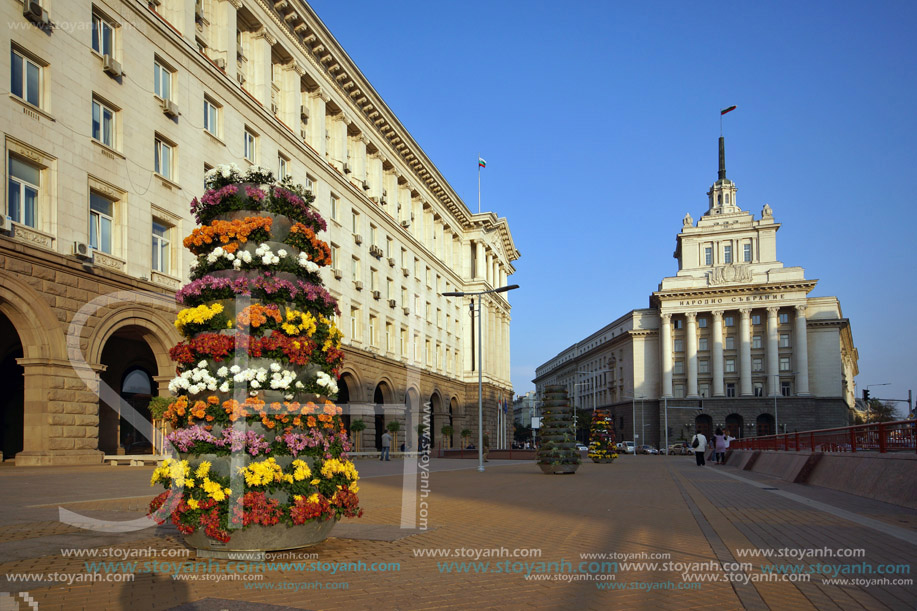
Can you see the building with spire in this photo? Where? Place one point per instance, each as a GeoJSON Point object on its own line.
{"type": "Point", "coordinates": [732, 339]}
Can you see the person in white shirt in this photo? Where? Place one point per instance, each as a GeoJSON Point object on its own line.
{"type": "Point", "coordinates": [700, 448]}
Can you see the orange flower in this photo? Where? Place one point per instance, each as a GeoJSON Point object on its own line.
{"type": "Point", "coordinates": [213, 400]}
{"type": "Point", "coordinates": [310, 422]}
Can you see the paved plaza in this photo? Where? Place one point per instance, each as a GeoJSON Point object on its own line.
{"type": "Point", "coordinates": [674, 536]}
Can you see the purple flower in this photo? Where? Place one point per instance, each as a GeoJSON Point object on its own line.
{"type": "Point", "coordinates": [211, 199]}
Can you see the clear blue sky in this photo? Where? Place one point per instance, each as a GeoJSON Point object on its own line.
{"type": "Point", "coordinates": [599, 121]}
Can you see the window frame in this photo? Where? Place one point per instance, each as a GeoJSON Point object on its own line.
{"type": "Point", "coordinates": [113, 125]}
{"type": "Point", "coordinates": [26, 60]}
{"type": "Point", "coordinates": [283, 163]}
{"type": "Point", "coordinates": [96, 218]}
{"type": "Point", "coordinates": [746, 253]}
{"type": "Point", "coordinates": [249, 145]}
{"type": "Point", "coordinates": [165, 247]}
{"type": "Point", "coordinates": [96, 41]}
{"type": "Point", "coordinates": [161, 144]}
{"type": "Point", "coordinates": [212, 112]}
{"type": "Point", "coordinates": [162, 68]}
{"type": "Point", "coordinates": [23, 185]}
{"type": "Point", "coordinates": [727, 254]}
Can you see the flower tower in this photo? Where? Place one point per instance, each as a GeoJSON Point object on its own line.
{"type": "Point", "coordinates": [602, 437]}
{"type": "Point", "coordinates": [259, 449]}
{"type": "Point", "coordinates": [557, 452]}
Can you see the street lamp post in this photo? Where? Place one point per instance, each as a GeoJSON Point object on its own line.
{"type": "Point", "coordinates": [502, 289]}
{"type": "Point", "coordinates": [776, 392]}
{"type": "Point", "coordinates": [633, 404]}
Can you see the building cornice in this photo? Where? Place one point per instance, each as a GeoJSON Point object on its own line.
{"type": "Point", "coordinates": [658, 297]}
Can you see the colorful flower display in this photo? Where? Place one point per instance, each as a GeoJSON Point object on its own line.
{"type": "Point", "coordinates": [259, 440]}
{"type": "Point", "coordinates": [602, 437]}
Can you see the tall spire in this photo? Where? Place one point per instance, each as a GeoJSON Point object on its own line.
{"type": "Point", "coordinates": [722, 172]}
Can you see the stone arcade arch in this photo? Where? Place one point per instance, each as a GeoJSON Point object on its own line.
{"type": "Point", "coordinates": [382, 395]}
{"type": "Point", "coordinates": [735, 425]}
{"type": "Point", "coordinates": [764, 425]}
{"type": "Point", "coordinates": [437, 418]}
{"type": "Point", "coordinates": [12, 381]}
{"type": "Point", "coordinates": [704, 424]}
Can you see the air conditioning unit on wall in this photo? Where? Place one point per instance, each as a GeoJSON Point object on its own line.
{"type": "Point", "coordinates": [170, 108]}
{"type": "Point", "coordinates": [81, 250]}
{"type": "Point", "coordinates": [31, 10]}
{"type": "Point", "coordinates": [111, 66]}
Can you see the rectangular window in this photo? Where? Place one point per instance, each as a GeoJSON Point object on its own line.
{"type": "Point", "coordinates": [727, 254]}
{"type": "Point", "coordinates": [678, 390]}
{"type": "Point", "coordinates": [354, 269]}
{"type": "Point", "coordinates": [703, 390]}
{"type": "Point", "coordinates": [755, 341]}
{"type": "Point", "coordinates": [161, 259]}
{"type": "Point", "coordinates": [756, 319]}
{"type": "Point", "coordinates": [212, 117]}
{"type": "Point", "coordinates": [162, 81]}
{"type": "Point", "coordinates": [703, 366]}
{"type": "Point", "coordinates": [679, 345]}
{"type": "Point", "coordinates": [784, 340]}
{"type": "Point", "coordinates": [103, 35]}
{"type": "Point", "coordinates": [702, 323]}
{"type": "Point", "coordinates": [101, 219]}
{"type": "Point", "coordinates": [428, 312]}
{"type": "Point", "coordinates": [679, 368]}
{"type": "Point", "coordinates": [708, 256]}
{"type": "Point", "coordinates": [404, 297]}
{"type": "Point", "coordinates": [784, 318]}
{"type": "Point", "coordinates": [757, 365]}
{"type": "Point", "coordinates": [759, 389]}
{"type": "Point", "coordinates": [373, 279]}
{"type": "Point", "coordinates": [335, 256]}
{"type": "Point", "coordinates": [103, 123]}
{"type": "Point", "coordinates": [747, 253]}
{"type": "Point", "coordinates": [373, 328]}
{"type": "Point", "coordinates": [730, 342]}
{"type": "Point", "coordinates": [23, 187]}
{"type": "Point", "coordinates": [426, 350]}
{"type": "Point", "coordinates": [702, 343]}
{"type": "Point", "coordinates": [354, 323]}
{"type": "Point", "coordinates": [388, 247]}
{"type": "Point", "coordinates": [389, 337]}
{"type": "Point", "coordinates": [730, 365]}
{"type": "Point", "coordinates": [282, 163]}
{"type": "Point", "coordinates": [678, 323]}
{"type": "Point", "coordinates": [730, 389]}
{"type": "Point", "coordinates": [416, 348]}
{"type": "Point", "coordinates": [404, 258]}
{"type": "Point", "coordinates": [785, 389]}
{"type": "Point", "coordinates": [334, 206]}
{"type": "Point", "coordinates": [25, 79]}
{"type": "Point", "coordinates": [389, 289]}
{"type": "Point", "coordinates": [310, 184]}
{"type": "Point", "coordinates": [249, 145]}
{"type": "Point", "coordinates": [372, 234]}
{"type": "Point", "coordinates": [729, 321]}
{"type": "Point", "coordinates": [784, 363]}
{"type": "Point", "coordinates": [355, 222]}
{"type": "Point", "coordinates": [163, 158]}
{"type": "Point", "coordinates": [404, 342]}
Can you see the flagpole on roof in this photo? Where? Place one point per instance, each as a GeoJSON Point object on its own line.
{"type": "Point", "coordinates": [479, 184]}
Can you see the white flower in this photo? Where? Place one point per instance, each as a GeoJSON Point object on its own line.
{"type": "Point", "coordinates": [299, 384]}
{"type": "Point", "coordinates": [218, 251]}
{"type": "Point", "coordinates": [211, 386]}
{"type": "Point", "coordinates": [253, 393]}
{"type": "Point", "coordinates": [230, 256]}
{"type": "Point", "coordinates": [235, 369]}
{"type": "Point", "coordinates": [202, 365]}
{"type": "Point", "coordinates": [224, 387]}
{"type": "Point", "coordinates": [222, 371]}
{"type": "Point", "coordinates": [275, 367]}
{"type": "Point", "coordinates": [237, 264]}
{"type": "Point", "coordinates": [247, 256]}
{"type": "Point", "coordinates": [255, 384]}
{"type": "Point", "coordinates": [288, 397]}
{"type": "Point", "coordinates": [281, 253]}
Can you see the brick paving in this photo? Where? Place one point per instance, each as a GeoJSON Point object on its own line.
{"type": "Point", "coordinates": [637, 505]}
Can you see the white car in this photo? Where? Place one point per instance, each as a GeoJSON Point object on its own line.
{"type": "Point", "coordinates": [629, 447]}
{"type": "Point", "coordinates": [582, 448]}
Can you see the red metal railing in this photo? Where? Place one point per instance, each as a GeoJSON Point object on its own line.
{"type": "Point", "coordinates": [879, 437]}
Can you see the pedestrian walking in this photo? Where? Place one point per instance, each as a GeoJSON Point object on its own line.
{"type": "Point", "coordinates": [719, 446]}
{"type": "Point", "coordinates": [386, 445]}
{"type": "Point", "coordinates": [699, 443]}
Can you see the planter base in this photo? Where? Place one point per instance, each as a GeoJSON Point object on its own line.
{"type": "Point", "coordinates": [603, 460]}
{"type": "Point", "coordinates": [257, 539]}
{"type": "Point", "coordinates": [558, 469]}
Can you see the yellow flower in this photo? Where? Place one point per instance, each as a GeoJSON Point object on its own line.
{"type": "Point", "coordinates": [315, 482]}
{"type": "Point", "coordinates": [297, 497]}
{"type": "Point", "coordinates": [301, 470]}
{"type": "Point", "coordinates": [193, 504]}
{"type": "Point", "coordinates": [202, 470]}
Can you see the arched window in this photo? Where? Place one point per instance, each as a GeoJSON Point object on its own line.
{"type": "Point", "coordinates": [137, 382]}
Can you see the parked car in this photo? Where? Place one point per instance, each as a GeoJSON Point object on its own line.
{"type": "Point", "coordinates": [582, 448]}
{"type": "Point", "coordinates": [645, 449]}
{"type": "Point", "coordinates": [628, 447]}
{"type": "Point", "coordinates": [679, 449]}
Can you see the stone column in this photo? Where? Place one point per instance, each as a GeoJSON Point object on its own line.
{"type": "Point", "coordinates": [718, 390]}
{"type": "Point", "coordinates": [691, 333]}
{"type": "Point", "coordinates": [666, 334]}
{"type": "Point", "coordinates": [480, 261]}
{"type": "Point", "coordinates": [224, 34]}
{"type": "Point", "coordinates": [262, 41]}
{"type": "Point", "coordinates": [291, 95]}
{"type": "Point", "coordinates": [802, 352]}
{"type": "Point", "coordinates": [773, 362]}
{"type": "Point", "coordinates": [316, 127]}
{"type": "Point", "coordinates": [745, 389]}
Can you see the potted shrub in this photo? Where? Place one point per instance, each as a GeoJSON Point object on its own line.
{"type": "Point", "coordinates": [447, 432]}
{"type": "Point", "coordinates": [602, 438]}
{"type": "Point", "coordinates": [557, 452]}
{"type": "Point", "coordinates": [357, 427]}
{"type": "Point", "coordinates": [466, 433]}
{"type": "Point", "coordinates": [393, 427]}
{"type": "Point", "coordinates": [259, 453]}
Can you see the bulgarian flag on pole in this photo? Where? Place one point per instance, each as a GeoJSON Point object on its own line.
{"type": "Point", "coordinates": [481, 162]}
{"type": "Point", "coordinates": [725, 110]}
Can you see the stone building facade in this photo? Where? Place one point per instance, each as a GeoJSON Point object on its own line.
{"type": "Point", "coordinates": [732, 340]}
{"type": "Point", "coordinates": [115, 113]}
